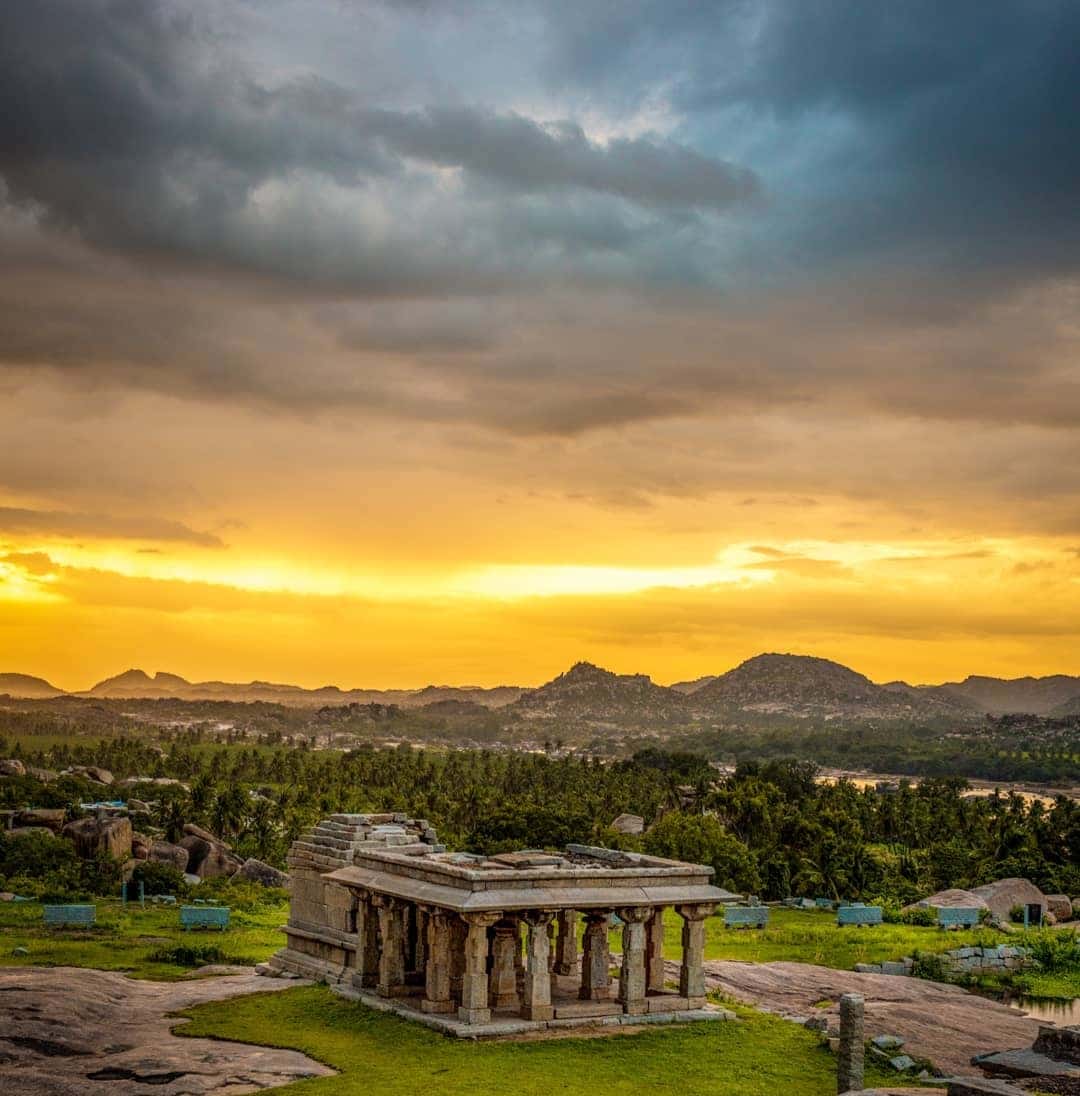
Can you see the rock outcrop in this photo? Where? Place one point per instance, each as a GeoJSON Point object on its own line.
{"type": "Point", "coordinates": [166, 853]}
{"type": "Point", "coordinates": [12, 766]}
{"type": "Point", "coordinates": [266, 874]}
{"type": "Point", "coordinates": [108, 836]}
{"type": "Point", "coordinates": [1003, 894]}
{"type": "Point", "coordinates": [1060, 905]}
{"type": "Point", "coordinates": [208, 856]}
{"type": "Point", "coordinates": [69, 1032]}
{"type": "Point", "coordinates": [953, 898]}
{"type": "Point", "coordinates": [49, 817]}
{"type": "Point", "coordinates": [631, 824]}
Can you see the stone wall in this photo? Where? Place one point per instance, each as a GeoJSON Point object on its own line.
{"type": "Point", "coordinates": [974, 960]}
{"type": "Point", "coordinates": [321, 932]}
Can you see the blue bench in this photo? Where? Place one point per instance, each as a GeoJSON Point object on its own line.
{"type": "Point", "coordinates": [57, 916]}
{"type": "Point", "coordinates": [747, 917]}
{"type": "Point", "coordinates": [858, 915]}
{"type": "Point", "coordinates": [955, 917]}
{"type": "Point", "coordinates": [204, 917]}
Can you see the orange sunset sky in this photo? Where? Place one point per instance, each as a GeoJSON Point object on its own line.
{"type": "Point", "coordinates": [385, 345]}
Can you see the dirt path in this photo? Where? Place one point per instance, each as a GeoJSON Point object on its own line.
{"type": "Point", "coordinates": [941, 1023]}
{"type": "Point", "coordinates": [65, 1031]}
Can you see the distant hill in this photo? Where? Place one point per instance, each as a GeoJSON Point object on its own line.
{"type": "Point", "coordinates": [688, 687]}
{"type": "Point", "coordinates": [1035, 695]}
{"type": "Point", "coordinates": [26, 687]}
{"type": "Point", "coordinates": [139, 685]}
{"type": "Point", "coordinates": [803, 687]}
{"type": "Point", "coordinates": [1070, 707]}
{"type": "Point", "coordinates": [780, 685]}
{"type": "Point", "coordinates": [587, 693]}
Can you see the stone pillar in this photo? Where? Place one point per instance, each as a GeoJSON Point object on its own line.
{"type": "Point", "coordinates": [849, 1059]}
{"type": "Point", "coordinates": [505, 952]}
{"type": "Point", "coordinates": [367, 943]}
{"type": "Point", "coordinates": [537, 989]}
{"type": "Point", "coordinates": [692, 973]}
{"type": "Point", "coordinates": [654, 951]}
{"type": "Point", "coordinates": [420, 951]}
{"type": "Point", "coordinates": [474, 981]}
{"type": "Point", "coordinates": [437, 969]}
{"type": "Point", "coordinates": [596, 958]}
{"type": "Point", "coordinates": [551, 944]}
{"type": "Point", "coordinates": [632, 976]}
{"type": "Point", "coordinates": [392, 953]}
{"type": "Point", "coordinates": [566, 953]}
{"type": "Point", "coordinates": [458, 933]}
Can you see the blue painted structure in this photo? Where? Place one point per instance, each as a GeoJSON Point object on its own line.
{"type": "Point", "coordinates": [57, 916]}
{"type": "Point", "coordinates": [204, 917]}
{"type": "Point", "coordinates": [858, 915]}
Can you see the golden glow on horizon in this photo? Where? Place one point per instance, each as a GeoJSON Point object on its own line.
{"type": "Point", "coordinates": [925, 609]}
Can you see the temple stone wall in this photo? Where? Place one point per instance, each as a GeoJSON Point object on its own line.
{"type": "Point", "coordinates": [322, 930]}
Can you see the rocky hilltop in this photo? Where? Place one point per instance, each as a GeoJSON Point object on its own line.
{"type": "Point", "coordinates": [24, 685]}
{"type": "Point", "coordinates": [803, 687]}
{"type": "Point", "coordinates": [587, 693]}
{"type": "Point", "coordinates": [139, 685]}
{"type": "Point", "coordinates": [1033, 695]}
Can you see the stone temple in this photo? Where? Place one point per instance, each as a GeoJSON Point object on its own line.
{"type": "Point", "coordinates": [485, 945]}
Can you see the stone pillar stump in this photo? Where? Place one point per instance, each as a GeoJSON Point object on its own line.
{"type": "Point", "coordinates": [632, 975]}
{"type": "Point", "coordinates": [474, 979]}
{"type": "Point", "coordinates": [654, 952]}
{"type": "Point", "coordinates": [692, 972]}
{"type": "Point", "coordinates": [505, 953]}
{"type": "Point", "coordinates": [437, 969]}
{"type": "Point", "coordinates": [596, 958]}
{"type": "Point", "coordinates": [849, 1058]}
{"type": "Point", "coordinates": [537, 983]}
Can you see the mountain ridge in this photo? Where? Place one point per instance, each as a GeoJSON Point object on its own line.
{"type": "Point", "coordinates": [769, 684]}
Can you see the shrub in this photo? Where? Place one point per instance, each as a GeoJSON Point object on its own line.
{"type": "Point", "coordinates": [159, 878]}
{"type": "Point", "coordinates": [1054, 951]}
{"type": "Point", "coordinates": [923, 916]}
{"type": "Point", "coordinates": [190, 955]}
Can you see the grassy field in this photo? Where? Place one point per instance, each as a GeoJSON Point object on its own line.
{"type": "Point", "coordinates": [375, 1052]}
{"type": "Point", "coordinates": [811, 936]}
{"type": "Point", "coordinates": [127, 940]}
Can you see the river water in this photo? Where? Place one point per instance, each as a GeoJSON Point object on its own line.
{"type": "Point", "coordinates": [1031, 792]}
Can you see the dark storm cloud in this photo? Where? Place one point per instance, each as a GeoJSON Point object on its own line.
{"type": "Point", "coordinates": [937, 135]}
{"type": "Point", "coordinates": [129, 123]}
{"type": "Point", "coordinates": [448, 259]}
{"type": "Point", "coordinates": [64, 523]}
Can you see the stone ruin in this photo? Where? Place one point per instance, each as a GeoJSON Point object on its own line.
{"type": "Point", "coordinates": [485, 945]}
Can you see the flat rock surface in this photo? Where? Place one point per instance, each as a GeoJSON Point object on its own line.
{"type": "Point", "coordinates": [65, 1031]}
{"type": "Point", "coordinates": [937, 1022]}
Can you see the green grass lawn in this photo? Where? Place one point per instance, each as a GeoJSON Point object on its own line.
{"type": "Point", "coordinates": [125, 940]}
{"type": "Point", "coordinates": [376, 1052]}
{"type": "Point", "coordinates": [811, 936]}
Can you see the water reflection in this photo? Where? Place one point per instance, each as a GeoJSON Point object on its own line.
{"type": "Point", "coordinates": [1062, 1011]}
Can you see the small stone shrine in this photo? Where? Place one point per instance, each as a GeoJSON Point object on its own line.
{"type": "Point", "coordinates": [485, 945]}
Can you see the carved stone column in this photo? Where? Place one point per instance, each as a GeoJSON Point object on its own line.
{"type": "Point", "coordinates": [505, 952]}
{"type": "Point", "coordinates": [392, 954]}
{"type": "Point", "coordinates": [566, 952]}
{"type": "Point", "coordinates": [537, 992]}
{"type": "Point", "coordinates": [458, 932]}
{"type": "Point", "coordinates": [366, 974]}
{"type": "Point", "coordinates": [474, 981]}
{"type": "Point", "coordinates": [420, 951]}
{"type": "Point", "coordinates": [391, 951]}
{"type": "Point", "coordinates": [654, 951]}
{"type": "Point", "coordinates": [632, 978]}
{"type": "Point", "coordinates": [692, 972]}
{"type": "Point", "coordinates": [849, 1058]}
{"type": "Point", "coordinates": [437, 970]}
{"type": "Point", "coordinates": [596, 958]}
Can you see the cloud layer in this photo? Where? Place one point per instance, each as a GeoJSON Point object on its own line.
{"type": "Point", "coordinates": [427, 288]}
